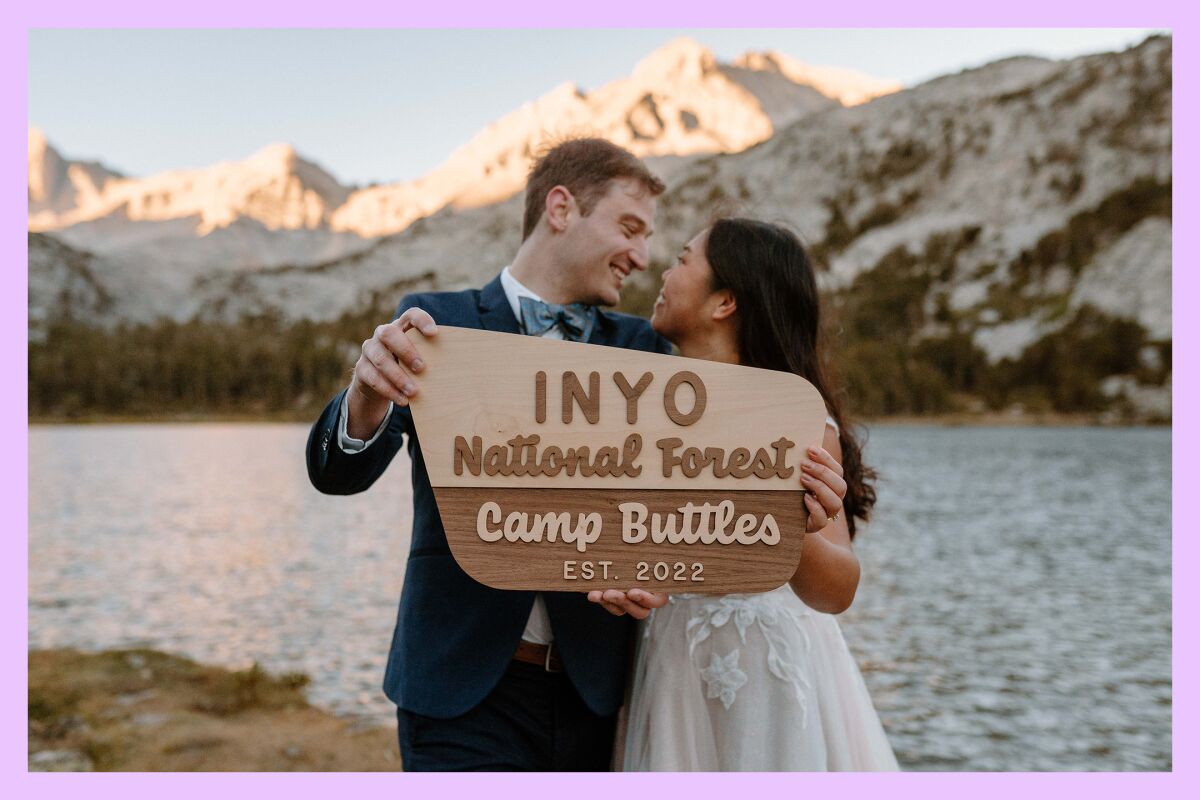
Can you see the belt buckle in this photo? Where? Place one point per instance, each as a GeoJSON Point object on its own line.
{"type": "Point", "coordinates": [549, 652]}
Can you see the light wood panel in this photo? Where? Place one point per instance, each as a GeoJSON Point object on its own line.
{"type": "Point", "coordinates": [481, 383]}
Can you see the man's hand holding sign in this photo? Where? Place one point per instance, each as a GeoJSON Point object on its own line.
{"type": "Point", "coordinates": [561, 466]}
{"type": "Point", "coordinates": [384, 371]}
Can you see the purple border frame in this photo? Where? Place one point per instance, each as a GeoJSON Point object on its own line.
{"type": "Point", "coordinates": [545, 14]}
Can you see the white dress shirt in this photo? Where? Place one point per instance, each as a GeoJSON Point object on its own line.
{"type": "Point", "coordinates": [537, 629]}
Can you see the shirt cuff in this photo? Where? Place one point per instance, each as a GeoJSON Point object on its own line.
{"type": "Point", "coordinates": [349, 444]}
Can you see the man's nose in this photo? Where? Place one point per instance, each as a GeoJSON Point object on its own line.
{"type": "Point", "coordinates": [639, 255]}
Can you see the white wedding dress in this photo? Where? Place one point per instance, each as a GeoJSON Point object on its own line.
{"type": "Point", "coordinates": [756, 682]}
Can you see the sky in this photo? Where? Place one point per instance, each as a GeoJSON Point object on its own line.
{"type": "Point", "coordinates": [390, 105]}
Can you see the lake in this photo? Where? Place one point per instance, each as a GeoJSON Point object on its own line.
{"type": "Point", "coordinates": [1014, 613]}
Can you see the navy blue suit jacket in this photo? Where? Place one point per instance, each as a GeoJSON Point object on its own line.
{"type": "Point", "coordinates": [454, 636]}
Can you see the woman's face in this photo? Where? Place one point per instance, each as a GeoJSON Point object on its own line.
{"type": "Point", "coordinates": [685, 301]}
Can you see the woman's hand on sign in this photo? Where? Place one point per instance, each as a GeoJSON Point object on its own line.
{"type": "Point", "coordinates": [825, 488]}
{"type": "Point", "coordinates": [385, 369]}
{"type": "Point", "coordinates": [637, 603]}
{"type": "Point", "coordinates": [827, 576]}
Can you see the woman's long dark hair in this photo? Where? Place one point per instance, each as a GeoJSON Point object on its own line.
{"type": "Point", "coordinates": [779, 327]}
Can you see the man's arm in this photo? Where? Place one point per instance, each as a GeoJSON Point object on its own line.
{"type": "Point", "coordinates": [347, 442]}
{"type": "Point", "coordinates": [332, 470]}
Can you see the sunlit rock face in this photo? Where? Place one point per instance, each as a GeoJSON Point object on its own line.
{"type": "Point", "coordinates": [679, 101]}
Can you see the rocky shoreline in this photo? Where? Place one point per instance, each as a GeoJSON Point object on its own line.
{"type": "Point", "coordinates": [144, 710]}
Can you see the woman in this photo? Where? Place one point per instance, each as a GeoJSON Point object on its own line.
{"type": "Point", "coordinates": [759, 681]}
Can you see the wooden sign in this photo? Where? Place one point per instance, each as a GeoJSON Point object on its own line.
{"type": "Point", "coordinates": [566, 466]}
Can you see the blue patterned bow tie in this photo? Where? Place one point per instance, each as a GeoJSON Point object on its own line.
{"type": "Point", "coordinates": [575, 320]}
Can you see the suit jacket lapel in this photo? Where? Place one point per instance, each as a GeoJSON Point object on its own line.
{"type": "Point", "coordinates": [602, 330]}
{"type": "Point", "coordinates": [495, 314]}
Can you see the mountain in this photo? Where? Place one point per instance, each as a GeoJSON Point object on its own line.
{"type": "Point", "coordinates": [57, 185]}
{"type": "Point", "coordinates": [184, 230]}
{"type": "Point", "coordinates": [275, 187]}
{"type": "Point", "coordinates": [993, 210]}
{"type": "Point", "coordinates": [679, 102]}
{"type": "Point", "coordinates": [1008, 221]}
{"type": "Point", "coordinates": [849, 87]}
{"type": "Point", "coordinates": [1016, 148]}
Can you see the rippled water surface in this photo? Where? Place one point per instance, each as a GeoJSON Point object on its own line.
{"type": "Point", "coordinates": [1014, 612]}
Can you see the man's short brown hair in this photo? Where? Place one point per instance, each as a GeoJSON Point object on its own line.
{"type": "Point", "coordinates": [585, 167]}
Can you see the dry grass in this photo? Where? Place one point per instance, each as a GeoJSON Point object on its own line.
{"type": "Point", "coordinates": [142, 710]}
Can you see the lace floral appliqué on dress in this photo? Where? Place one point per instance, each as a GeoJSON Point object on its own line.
{"type": "Point", "coordinates": [755, 610]}
{"type": "Point", "coordinates": [723, 678]}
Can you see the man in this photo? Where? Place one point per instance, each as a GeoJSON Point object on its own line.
{"type": "Point", "coordinates": [485, 679]}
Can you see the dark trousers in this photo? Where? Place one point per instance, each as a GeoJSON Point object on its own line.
{"type": "Point", "coordinates": [533, 720]}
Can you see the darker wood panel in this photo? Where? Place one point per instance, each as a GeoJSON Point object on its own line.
{"type": "Point", "coordinates": [561, 565]}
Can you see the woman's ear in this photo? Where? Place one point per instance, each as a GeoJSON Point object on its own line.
{"type": "Point", "coordinates": [559, 202]}
{"type": "Point", "coordinates": [726, 305]}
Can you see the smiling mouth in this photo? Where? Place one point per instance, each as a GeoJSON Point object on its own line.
{"type": "Point", "coordinates": [620, 273]}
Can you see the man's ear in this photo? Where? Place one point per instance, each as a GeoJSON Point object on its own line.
{"type": "Point", "coordinates": [726, 305]}
{"type": "Point", "coordinates": [560, 204]}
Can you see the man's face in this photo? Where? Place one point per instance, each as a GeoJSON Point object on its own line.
{"type": "Point", "coordinates": [604, 247]}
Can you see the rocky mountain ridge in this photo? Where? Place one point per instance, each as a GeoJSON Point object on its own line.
{"type": "Point", "coordinates": [987, 218]}
{"type": "Point", "coordinates": [679, 101]}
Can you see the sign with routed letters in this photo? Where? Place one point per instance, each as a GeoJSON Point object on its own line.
{"type": "Point", "coordinates": [566, 466]}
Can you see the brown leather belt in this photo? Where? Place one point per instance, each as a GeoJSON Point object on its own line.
{"type": "Point", "coordinates": [543, 655]}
